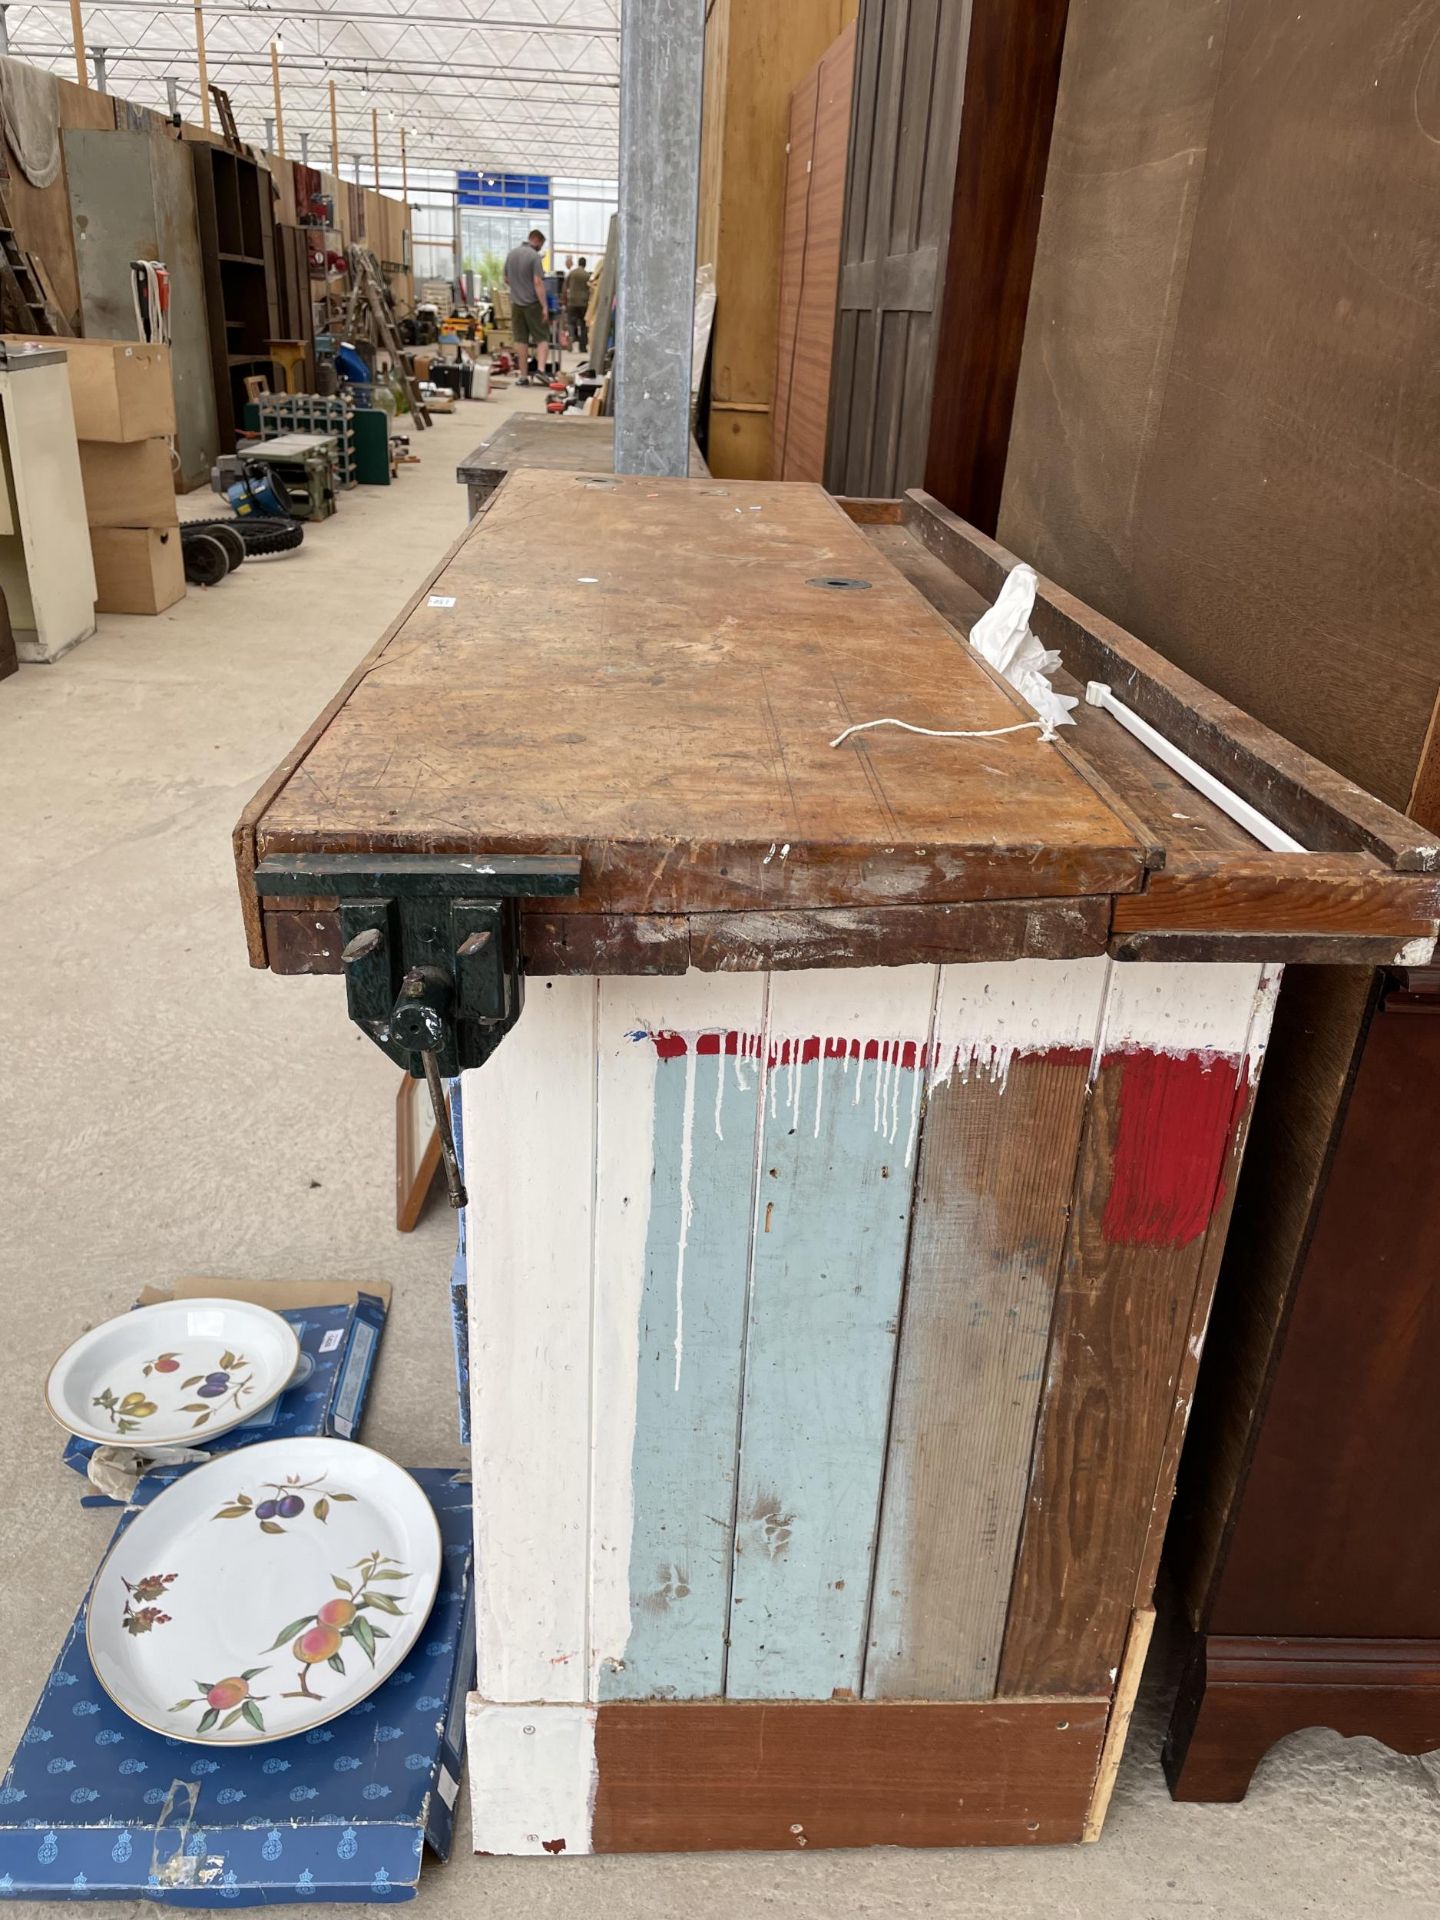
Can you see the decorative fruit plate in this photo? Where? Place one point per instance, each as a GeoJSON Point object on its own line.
{"type": "Point", "coordinates": [173, 1374]}
{"type": "Point", "coordinates": [265, 1592]}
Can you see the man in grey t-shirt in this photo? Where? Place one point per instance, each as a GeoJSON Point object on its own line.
{"type": "Point", "coordinates": [529, 322]}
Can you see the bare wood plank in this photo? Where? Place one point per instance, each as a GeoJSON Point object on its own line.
{"type": "Point", "coordinates": [872, 513]}
{"type": "Point", "coordinates": [1284, 949]}
{"type": "Point", "coordinates": [1122, 1711]}
{"type": "Point", "coordinates": [604, 943]}
{"type": "Point", "coordinates": [1161, 1119]}
{"type": "Point", "coordinates": [688, 1777]}
{"type": "Point", "coordinates": [899, 936]}
{"type": "Point", "coordinates": [1318, 807]}
{"type": "Point", "coordinates": [1283, 893]}
{"type": "Point", "coordinates": [1003, 1116]}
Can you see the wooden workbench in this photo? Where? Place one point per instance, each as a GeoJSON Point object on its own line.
{"type": "Point", "coordinates": [553, 443]}
{"type": "Point", "coordinates": [847, 1200]}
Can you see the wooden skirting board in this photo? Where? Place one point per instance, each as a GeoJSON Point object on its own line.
{"type": "Point", "coordinates": [707, 1776]}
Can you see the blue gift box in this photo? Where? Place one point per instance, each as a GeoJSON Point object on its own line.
{"type": "Point", "coordinates": [339, 1344]}
{"type": "Point", "coordinates": [96, 1807]}
{"type": "Point", "coordinates": [460, 1277]}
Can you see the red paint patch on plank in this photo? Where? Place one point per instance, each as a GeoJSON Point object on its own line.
{"type": "Point", "coordinates": [907, 1054]}
{"type": "Point", "coordinates": [1177, 1112]}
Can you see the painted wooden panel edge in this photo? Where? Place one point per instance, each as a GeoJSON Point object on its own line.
{"type": "Point", "coordinates": [676, 1147]}
{"type": "Point", "coordinates": [798, 1531]}
{"type": "Point", "coordinates": [1122, 1712]}
{"type": "Point", "coordinates": [980, 1289]}
{"type": "Point", "coordinates": [529, 1128]}
{"type": "Point", "coordinates": [1262, 1016]}
{"type": "Point", "coordinates": [532, 1777]}
{"type": "Point", "coordinates": [1136, 1239]}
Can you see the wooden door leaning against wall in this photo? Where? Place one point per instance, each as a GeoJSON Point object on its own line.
{"type": "Point", "coordinates": [909, 88]}
{"type": "Point", "coordinates": [817, 154]}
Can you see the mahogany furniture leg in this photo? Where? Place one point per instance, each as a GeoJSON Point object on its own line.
{"type": "Point", "coordinates": [1239, 1696]}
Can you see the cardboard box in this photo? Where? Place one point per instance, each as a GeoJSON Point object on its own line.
{"type": "Point", "coordinates": [137, 569]}
{"type": "Point", "coordinates": [121, 390]}
{"type": "Point", "coordinates": [129, 484]}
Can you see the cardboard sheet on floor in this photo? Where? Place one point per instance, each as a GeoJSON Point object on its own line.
{"type": "Point", "coordinates": [339, 1325]}
{"type": "Point", "coordinates": [96, 1807]}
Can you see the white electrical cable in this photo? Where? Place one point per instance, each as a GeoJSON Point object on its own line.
{"type": "Point", "coordinates": [1047, 732]}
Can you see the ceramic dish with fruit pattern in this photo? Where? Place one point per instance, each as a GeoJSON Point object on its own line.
{"type": "Point", "coordinates": [265, 1592]}
{"type": "Point", "coordinates": [173, 1374]}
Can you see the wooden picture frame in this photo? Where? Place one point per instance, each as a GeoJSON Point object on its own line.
{"type": "Point", "coordinates": [417, 1152]}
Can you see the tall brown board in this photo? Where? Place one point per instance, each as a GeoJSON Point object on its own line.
{"type": "Point", "coordinates": [905, 129]}
{"type": "Point", "coordinates": [1227, 410]}
{"type": "Point", "coordinates": [1012, 72]}
{"type": "Point", "coordinates": [816, 156]}
{"type": "Point", "coordinates": [755, 54]}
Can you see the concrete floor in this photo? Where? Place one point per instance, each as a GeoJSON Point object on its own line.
{"type": "Point", "coordinates": [170, 1112]}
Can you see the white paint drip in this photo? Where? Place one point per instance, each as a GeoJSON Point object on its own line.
{"type": "Point", "coordinates": [910, 1138]}
{"type": "Point", "coordinates": [720, 1086]}
{"type": "Point", "coordinates": [1177, 1007]}
{"type": "Point", "coordinates": [687, 1208]}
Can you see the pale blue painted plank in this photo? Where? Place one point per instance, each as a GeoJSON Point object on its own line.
{"type": "Point", "coordinates": [687, 1388]}
{"type": "Point", "coordinates": [836, 1175]}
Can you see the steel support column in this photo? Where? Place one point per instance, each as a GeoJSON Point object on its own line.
{"type": "Point", "coordinates": [662, 52]}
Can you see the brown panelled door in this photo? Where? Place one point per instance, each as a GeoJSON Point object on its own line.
{"type": "Point", "coordinates": [905, 128]}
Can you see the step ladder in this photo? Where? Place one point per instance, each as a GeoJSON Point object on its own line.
{"type": "Point", "coordinates": [24, 290]}
{"type": "Point", "coordinates": [369, 292]}
{"type": "Point", "coordinates": [227, 118]}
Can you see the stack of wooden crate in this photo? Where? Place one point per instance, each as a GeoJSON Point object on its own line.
{"type": "Point", "coordinates": [124, 403]}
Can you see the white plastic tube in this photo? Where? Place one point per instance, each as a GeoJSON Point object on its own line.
{"type": "Point", "coordinates": [1097, 694]}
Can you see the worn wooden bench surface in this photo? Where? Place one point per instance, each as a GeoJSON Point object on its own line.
{"type": "Point", "coordinates": [655, 687]}
{"type": "Point", "coordinates": [556, 443]}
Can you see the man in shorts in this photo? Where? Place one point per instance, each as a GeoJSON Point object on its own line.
{"type": "Point", "coordinates": [529, 320]}
{"type": "Point", "coordinates": [577, 301]}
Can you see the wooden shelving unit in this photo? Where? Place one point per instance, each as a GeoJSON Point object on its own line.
{"type": "Point", "coordinates": [237, 233]}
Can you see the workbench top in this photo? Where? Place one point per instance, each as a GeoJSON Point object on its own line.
{"type": "Point", "coordinates": [649, 674]}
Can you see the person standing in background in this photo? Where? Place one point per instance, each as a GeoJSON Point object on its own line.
{"type": "Point", "coordinates": [577, 303]}
{"type": "Point", "coordinates": [529, 318]}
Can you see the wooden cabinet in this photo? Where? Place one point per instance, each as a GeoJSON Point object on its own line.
{"type": "Point", "coordinates": [1305, 1536]}
{"type": "Point", "coordinates": [853, 1147]}
{"type": "Point", "coordinates": [233, 199]}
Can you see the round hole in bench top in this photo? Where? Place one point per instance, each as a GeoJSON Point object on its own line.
{"type": "Point", "coordinates": [837, 583]}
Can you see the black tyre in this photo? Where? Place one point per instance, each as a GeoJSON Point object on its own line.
{"type": "Point", "coordinates": [229, 536]}
{"type": "Point", "coordinates": [205, 557]}
{"type": "Point", "coordinates": [260, 532]}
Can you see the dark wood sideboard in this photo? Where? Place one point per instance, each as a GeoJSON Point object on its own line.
{"type": "Point", "coordinates": [1306, 1534]}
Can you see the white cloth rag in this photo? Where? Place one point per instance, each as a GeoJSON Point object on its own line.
{"type": "Point", "coordinates": [1003, 636]}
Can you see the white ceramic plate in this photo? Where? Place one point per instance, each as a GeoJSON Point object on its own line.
{"type": "Point", "coordinates": [264, 1593]}
{"type": "Point", "coordinates": [177, 1373]}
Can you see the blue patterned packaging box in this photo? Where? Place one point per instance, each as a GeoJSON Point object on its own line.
{"type": "Point", "coordinates": [460, 1278]}
{"type": "Point", "coordinates": [96, 1807]}
{"type": "Point", "coordinates": [339, 1345]}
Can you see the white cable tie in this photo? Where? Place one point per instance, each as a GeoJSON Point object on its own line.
{"type": "Point", "coordinates": [1047, 730]}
